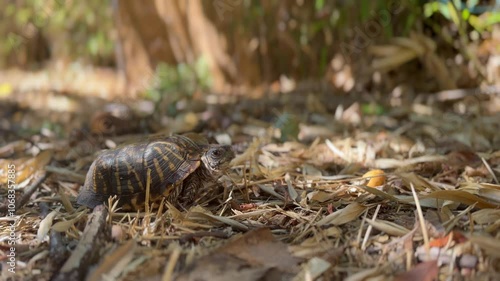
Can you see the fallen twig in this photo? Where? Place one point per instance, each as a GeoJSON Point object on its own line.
{"type": "Point", "coordinates": [87, 251]}
{"type": "Point", "coordinates": [29, 191]}
{"type": "Point", "coordinates": [70, 175]}
{"type": "Point", "coordinates": [57, 250]}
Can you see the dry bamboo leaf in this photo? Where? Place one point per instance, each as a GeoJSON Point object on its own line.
{"type": "Point", "coordinates": [63, 226]}
{"type": "Point", "coordinates": [252, 214]}
{"type": "Point", "coordinates": [410, 43]}
{"type": "Point", "coordinates": [492, 195]}
{"type": "Point", "coordinates": [221, 267]}
{"type": "Point", "coordinates": [225, 220]}
{"type": "Point", "coordinates": [451, 223]}
{"type": "Point", "coordinates": [383, 50]}
{"type": "Point", "coordinates": [389, 227]}
{"type": "Point", "coordinates": [311, 171]}
{"type": "Point", "coordinates": [114, 263]}
{"type": "Point", "coordinates": [12, 147]}
{"type": "Point", "coordinates": [313, 269]}
{"type": "Point", "coordinates": [25, 167]}
{"type": "Point", "coordinates": [367, 274]}
{"type": "Point", "coordinates": [427, 202]}
{"type": "Point", "coordinates": [396, 60]}
{"type": "Point", "coordinates": [291, 191]}
{"type": "Point", "coordinates": [172, 261]}
{"type": "Point", "coordinates": [40, 256]}
{"type": "Point", "coordinates": [336, 151]}
{"type": "Point", "coordinates": [384, 163]}
{"type": "Point", "coordinates": [45, 225]}
{"type": "Point", "coordinates": [332, 232]}
{"type": "Point", "coordinates": [345, 215]}
{"type": "Point", "coordinates": [462, 197]}
{"type": "Point", "coordinates": [269, 190]}
{"type": "Point", "coordinates": [249, 153]}
{"type": "Point", "coordinates": [486, 216]}
{"type": "Point", "coordinates": [381, 194]}
{"type": "Point", "coordinates": [488, 244]}
{"type": "Point", "coordinates": [418, 182]}
{"type": "Point", "coordinates": [320, 196]}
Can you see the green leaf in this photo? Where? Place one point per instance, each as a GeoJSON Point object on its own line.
{"type": "Point", "coordinates": [319, 4]}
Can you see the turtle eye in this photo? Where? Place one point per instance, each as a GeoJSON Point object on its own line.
{"type": "Point", "coordinates": [216, 153]}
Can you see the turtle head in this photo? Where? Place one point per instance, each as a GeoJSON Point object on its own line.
{"type": "Point", "coordinates": [217, 158]}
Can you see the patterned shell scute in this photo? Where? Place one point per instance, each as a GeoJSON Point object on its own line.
{"type": "Point", "coordinates": [171, 161]}
{"type": "Point", "coordinates": [124, 171]}
{"type": "Point", "coordinates": [119, 171]}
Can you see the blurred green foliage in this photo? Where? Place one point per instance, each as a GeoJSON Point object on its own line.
{"type": "Point", "coordinates": [480, 17]}
{"type": "Point", "coordinates": [288, 124]}
{"type": "Point", "coordinates": [72, 29]}
{"type": "Point", "coordinates": [309, 33]}
{"type": "Point", "coordinates": [290, 34]}
{"type": "Point", "coordinates": [173, 83]}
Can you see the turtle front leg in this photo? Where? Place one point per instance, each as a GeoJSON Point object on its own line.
{"type": "Point", "coordinates": [191, 189]}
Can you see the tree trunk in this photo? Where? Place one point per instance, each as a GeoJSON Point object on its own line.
{"type": "Point", "coordinates": [172, 32]}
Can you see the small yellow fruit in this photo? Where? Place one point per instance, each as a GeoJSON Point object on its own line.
{"type": "Point", "coordinates": [377, 178]}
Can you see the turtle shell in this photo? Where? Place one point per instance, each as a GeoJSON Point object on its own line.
{"type": "Point", "coordinates": [123, 171]}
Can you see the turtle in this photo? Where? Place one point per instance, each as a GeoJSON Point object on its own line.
{"type": "Point", "coordinates": [179, 168]}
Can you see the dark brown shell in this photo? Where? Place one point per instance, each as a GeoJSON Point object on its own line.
{"type": "Point", "coordinates": [123, 171]}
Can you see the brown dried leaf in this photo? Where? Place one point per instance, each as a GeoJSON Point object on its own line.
{"type": "Point", "coordinates": [26, 167]}
{"type": "Point", "coordinates": [252, 256]}
{"type": "Point", "coordinates": [426, 271]}
{"type": "Point", "coordinates": [259, 247]}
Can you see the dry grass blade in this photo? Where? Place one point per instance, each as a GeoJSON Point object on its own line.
{"type": "Point", "coordinates": [450, 224]}
{"type": "Point", "coordinates": [337, 151]}
{"type": "Point", "coordinates": [421, 221]}
{"type": "Point", "coordinates": [369, 229]}
{"type": "Point", "coordinates": [490, 170]}
{"type": "Point", "coordinates": [172, 261]}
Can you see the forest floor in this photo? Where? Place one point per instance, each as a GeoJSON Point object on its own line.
{"type": "Point", "coordinates": [323, 187]}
